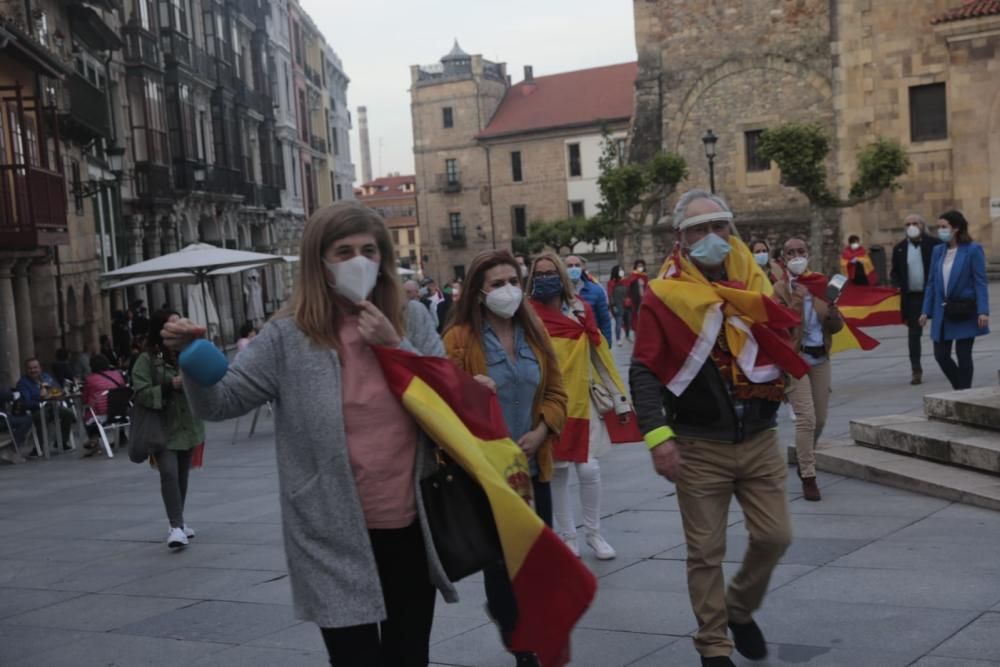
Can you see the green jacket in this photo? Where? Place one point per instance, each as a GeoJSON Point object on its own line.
{"type": "Point", "coordinates": [151, 381]}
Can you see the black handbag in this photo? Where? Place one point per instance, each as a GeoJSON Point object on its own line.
{"type": "Point", "coordinates": [959, 310]}
{"type": "Point", "coordinates": [147, 429]}
{"type": "Point", "coordinates": [460, 520]}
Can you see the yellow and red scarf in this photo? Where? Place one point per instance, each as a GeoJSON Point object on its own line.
{"type": "Point", "coordinates": [572, 341]}
{"type": "Point", "coordinates": [860, 306]}
{"type": "Point", "coordinates": [552, 587]}
{"type": "Point", "coordinates": [691, 320]}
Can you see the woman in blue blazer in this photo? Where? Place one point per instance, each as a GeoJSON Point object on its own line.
{"type": "Point", "coordinates": [955, 299]}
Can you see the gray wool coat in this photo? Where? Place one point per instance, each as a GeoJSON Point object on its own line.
{"type": "Point", "coordinates": [334, 579]}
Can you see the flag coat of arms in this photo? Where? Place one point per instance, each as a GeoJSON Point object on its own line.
{"type": "Point", "coordinates": [552, 587]}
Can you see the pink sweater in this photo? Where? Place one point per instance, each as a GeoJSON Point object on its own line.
{"type": "Point", "coordinates": [96, 384]}
{"type": "Point", "coordinates": [381, 436]}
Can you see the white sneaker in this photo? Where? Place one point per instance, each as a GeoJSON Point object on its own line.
{"type": "Point", "coordinates": [602, 549]}
{"type": "Point", "coordinates": [570, 541]}
{"type": "Point", "coordinates": [621, 341]}
{"type": "Point", "coordinates": [177, 538]}
{"type": "Point", "coordinates": [188, 531]}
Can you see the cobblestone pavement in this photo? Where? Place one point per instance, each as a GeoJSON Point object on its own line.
{"type": "Point", "coordinates": [875, 576]}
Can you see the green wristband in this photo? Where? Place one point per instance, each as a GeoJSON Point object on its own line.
{"type": "Point", "coordinates": [657, 437]}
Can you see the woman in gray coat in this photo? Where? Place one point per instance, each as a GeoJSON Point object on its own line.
{"type": "Point", "coordinates": [360, 558]}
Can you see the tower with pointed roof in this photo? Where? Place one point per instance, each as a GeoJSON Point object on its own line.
{"type": "Point", "coordinates": [452, 101]}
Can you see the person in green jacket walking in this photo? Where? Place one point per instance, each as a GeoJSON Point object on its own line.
{"type": "Point", "coordinates": [156, 381]}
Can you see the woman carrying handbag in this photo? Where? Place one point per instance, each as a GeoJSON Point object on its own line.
{"type": "Point", "coordinates": [161, 401]}
{"type": "Point", "coordinates": [495, 337]}
{"type": "Point", "coordinates": [956, 298]}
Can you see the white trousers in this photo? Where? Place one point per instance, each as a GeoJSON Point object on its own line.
{"type": "Point", "coordinates": [589, 475]}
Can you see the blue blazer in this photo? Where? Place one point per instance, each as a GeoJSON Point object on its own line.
{"type": "Point", "coordinates": [595, 295]}
{"type": "Point", "coordinates": [967, 281]}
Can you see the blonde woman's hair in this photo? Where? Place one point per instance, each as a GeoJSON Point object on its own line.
{"type": "Point", "coordinates": [313, 306]}
{"type": "Point", "coordinates": [567, 295]}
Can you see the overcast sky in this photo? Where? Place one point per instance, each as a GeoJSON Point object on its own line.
{"type": "Point", "coordinates": [378, 40]}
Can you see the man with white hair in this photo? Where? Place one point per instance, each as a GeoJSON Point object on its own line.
{"type": "Point", "coordinates": [707, 377]}
{"type": "Point", "coordinates": [911, 267]}
{"type": "Point", "coordinates": [414, 292]}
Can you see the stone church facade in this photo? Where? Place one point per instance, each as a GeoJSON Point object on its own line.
{"type": "Point", "coordinates": [923, 72]}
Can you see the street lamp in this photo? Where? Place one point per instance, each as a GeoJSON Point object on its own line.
{"type": "Point", "coordinates": [115, 156]}
{"type": "Point", "coordinates": [709, 140]}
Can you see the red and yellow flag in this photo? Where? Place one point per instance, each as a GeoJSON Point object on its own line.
{"type": "Point", "coordinates": [551, 586]}
{"type": "Point", "coordinates": [860, 306]}
{"type": "Point", "coordinates": [572, 342]}
{"type": "Point", "coordinates": [687, 315]}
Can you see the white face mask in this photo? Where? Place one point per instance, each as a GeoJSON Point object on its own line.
{"type": "Point", "coordinates": [354, 278]}
{"type": "Point", "coordinates": [504, 301]}
{"type": "Point", "coordinates": [798, 265]}
{"type": "Point", "coordinates": [855, 246]}
{"type": "Point", "coordinates": [762, 258]}
{"type": "Point", "coordinates": [913, 231]}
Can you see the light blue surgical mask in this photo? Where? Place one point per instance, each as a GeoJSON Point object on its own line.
{"type": "Point", "coordinates": [762, 258]}
{"type": "Point", "coordinates": [575, 272]}
{"type": "Point", "coordinates": [944, 234]}
{"type": "Point", "coordinates": [710, 250]}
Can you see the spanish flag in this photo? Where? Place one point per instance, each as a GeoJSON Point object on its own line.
{"type": "Point", "coordinates": [572, 342]}
{"type": "Point", "coordinates": [551, 586]}
{"type": "Point", "coordinates": [863, 264]}
{"type": "Point", "coordinates": [860, 306]}
{"type": "Point", "coordinates": [688, 314]}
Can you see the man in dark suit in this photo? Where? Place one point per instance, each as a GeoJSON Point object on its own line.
{"type": "Point", "coordinates": [911, 266]}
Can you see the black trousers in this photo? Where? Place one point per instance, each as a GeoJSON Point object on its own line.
{"type": "Point", "coordinates": [174, 466]}
{"type": "Point", "coordinates": [960, 374]}
{"type": "Point", "coordinates": [403, 638]}
{"type": "Point", "coordinates": [913, 305]}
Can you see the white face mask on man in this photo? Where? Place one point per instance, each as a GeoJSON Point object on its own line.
{"type": "Point", "coordinates": [353, 279]}
{"type": "Point", "coordinates": [797, 265]}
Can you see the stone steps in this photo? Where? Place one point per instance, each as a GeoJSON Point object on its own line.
{"type": "Point", "coordinates": [939, 441]}
{"type": "Point", "coordinates": [911, 474]}
{"type": "Point", "coordinates": [975, 407]}
{"type": "Point", "coordinates": [953, 452]}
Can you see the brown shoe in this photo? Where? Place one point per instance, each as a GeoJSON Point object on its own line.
{"type": "Point", "coordinates": [809, 489]}
{"type": "Point", "coordinates": [917, 377]}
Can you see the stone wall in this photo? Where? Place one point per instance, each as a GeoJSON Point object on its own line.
{"type": "Point", "coordinates": [773, 65]}
{"type": "Point", "coordinates": [473, 102]}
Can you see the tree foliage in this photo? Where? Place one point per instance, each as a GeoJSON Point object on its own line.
{"type": "Point", "coordinates": [629, 191]}
{"type": "Point", "coordinates": [563, 234]}
{"type": "Point", "coordinates": [800, 151]}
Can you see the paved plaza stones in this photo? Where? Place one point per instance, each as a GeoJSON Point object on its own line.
{"type": "Point", "coordinates": [875, 576]}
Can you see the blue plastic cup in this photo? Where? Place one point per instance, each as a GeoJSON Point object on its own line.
{"type": "Point", "coordinates": [204, 363]}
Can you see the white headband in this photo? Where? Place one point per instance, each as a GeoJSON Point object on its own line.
{"type": "Point", "coordinates": [704, 217]}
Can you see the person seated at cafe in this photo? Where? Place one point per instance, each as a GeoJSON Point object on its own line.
{"type": "Point", "coordinates": [102, 379]}
{"type": "Point", "coordinates": [35, 387]}
{"type": "Point", "coordinates": [62, 368]}
{"type": "Point", "coordinates": [19, 422]}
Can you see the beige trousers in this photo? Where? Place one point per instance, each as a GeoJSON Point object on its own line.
{"type": "Point", "coordinates": [710, 475]}
{"type": "Point", "coordinates": [810, 399]}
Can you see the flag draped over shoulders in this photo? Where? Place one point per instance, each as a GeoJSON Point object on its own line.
{"type": "Point", "coordinates": [860, 306]}
{"type": "Point", "coordinates": [689, 316]}
{"type": "Point", "coordinates": [551, 586]}
{"type": "Point", "coordinates": [572, 342]}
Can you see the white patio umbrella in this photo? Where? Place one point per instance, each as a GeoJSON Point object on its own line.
{"type": "Point", "coordinates": [198, 260]}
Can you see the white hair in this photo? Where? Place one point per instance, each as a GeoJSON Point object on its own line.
{"type": "Point", "coordinates": [685, 200]}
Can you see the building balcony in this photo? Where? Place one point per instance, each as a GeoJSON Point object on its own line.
{"type": "Point", "coordinates": [251, 195]}
{"type": "Point", "coordinates": [153, 182]}
{"type": "Point", "coordinates": [312, 76]}
{"type": "Point", "coordinates": [449, 183]}
{"type": "Point", "coordinates": [84, 115]}
{"type": "Point", "coordinates": [141, 47]}
{"type": "Point", "coordinates": [184, 175]}
{"type": "Point", "coordinates": [270, 196]}
{"type": "Point", "coordinates": [252, 99]}
{"type": "Point", "coordinates": [453, 237]}
{"type": "Point", "coordinates": [225, 181]}
{"type": "Point", "coordinates": [318, 144]}
{"type": "Point", "coordinates": [32, 208]}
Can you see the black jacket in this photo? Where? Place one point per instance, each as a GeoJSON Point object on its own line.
{"type": "Point", "coordinates": [705, 411]}
{"type": "Point", "coordinates": [899, 275]}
